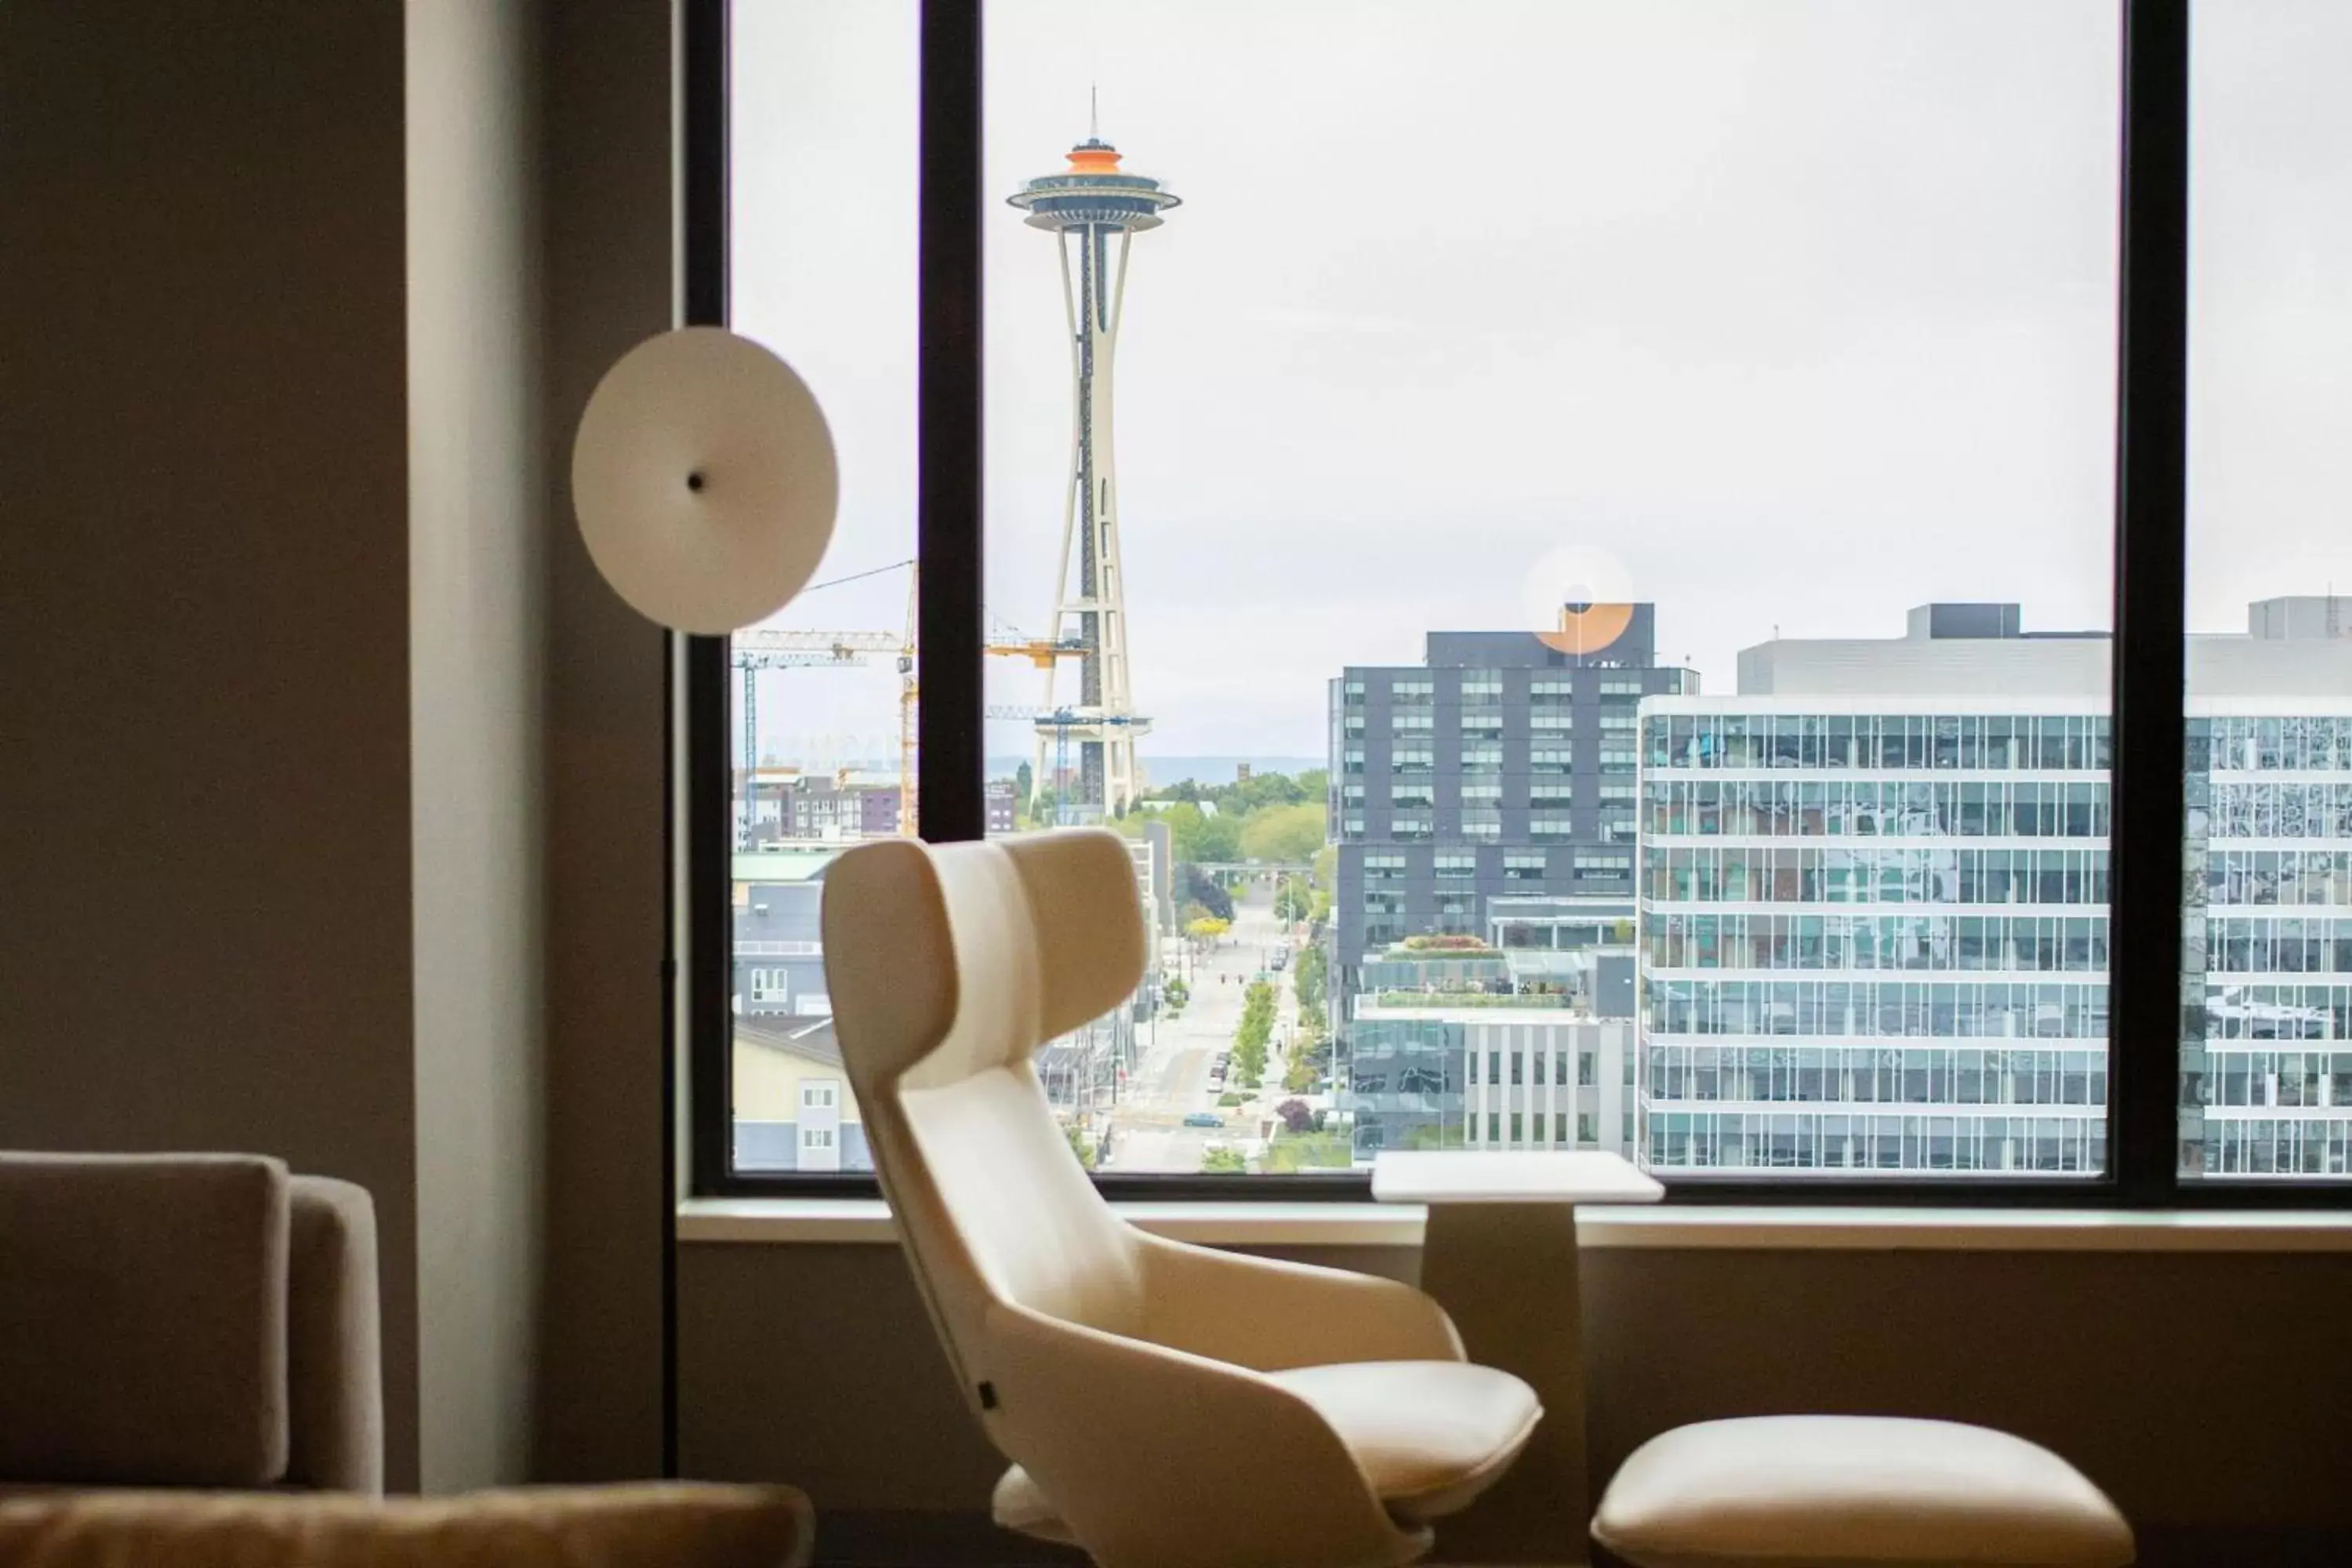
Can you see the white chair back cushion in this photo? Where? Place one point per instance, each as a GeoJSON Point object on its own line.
{"type": "Point", "coordinates": [947, 967]}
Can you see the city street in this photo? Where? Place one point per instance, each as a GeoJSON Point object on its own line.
{"type": "Point", "coordinates": [1148, 1134]}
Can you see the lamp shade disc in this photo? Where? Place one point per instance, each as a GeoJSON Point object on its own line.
{"type": "Point", "coordinates": [704, 479]}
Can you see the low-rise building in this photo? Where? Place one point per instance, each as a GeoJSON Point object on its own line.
{"type": "Point", "coordinates": [1002, 801]}
{"type": "Point", "coordinates": [793, 1110]}
{"type": "Point", "coordinates": [1457, 1045]}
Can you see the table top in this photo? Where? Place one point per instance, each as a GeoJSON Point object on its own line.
{"type": "Point", "coordinates": [1509, 1176]}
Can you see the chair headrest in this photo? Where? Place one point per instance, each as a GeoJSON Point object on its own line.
{"type": "Point", "coordinates": [945, 960]}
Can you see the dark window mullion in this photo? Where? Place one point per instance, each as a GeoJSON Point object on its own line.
{"type": "Point", "coordinates": [2144, 997]}
{"type": "Point", "coordinates": [949, 630]}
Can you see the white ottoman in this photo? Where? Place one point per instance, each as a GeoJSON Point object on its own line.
{"type": "Point", "coordinates": [1843, 1491]}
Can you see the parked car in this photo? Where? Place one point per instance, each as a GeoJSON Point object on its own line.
{"type": "Point", "coordinates": [1205, 1118]}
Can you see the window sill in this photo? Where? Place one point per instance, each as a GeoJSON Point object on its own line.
{"type": "Point", "coordinates": [856, 1221]}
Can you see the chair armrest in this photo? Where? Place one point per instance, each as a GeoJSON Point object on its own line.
{"type": "Point", "coordinates": [1272, 1315]}
{"type": "Point", "coordinates": [1156, 1458]}
{"type": "Point", "coordinates": [334, 1368]}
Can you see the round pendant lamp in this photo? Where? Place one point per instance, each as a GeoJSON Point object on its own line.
{"type": "Point", "coordinates": [1580, 599]}
{"type": "Point", "coordinates": [704, 480]}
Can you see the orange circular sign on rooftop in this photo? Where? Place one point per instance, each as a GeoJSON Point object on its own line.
{"type": "Point", "coordinates": [1587, 629]}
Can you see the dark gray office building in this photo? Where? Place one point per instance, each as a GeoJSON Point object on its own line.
{"type": "Point", "coordinates": [1502, 767]}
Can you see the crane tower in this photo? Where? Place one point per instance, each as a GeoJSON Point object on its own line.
{"type": "Point", "coordinates": [1086, 207]}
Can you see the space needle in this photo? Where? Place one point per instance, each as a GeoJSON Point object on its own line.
{"type": "Point", "coordinates": [1086, 207]}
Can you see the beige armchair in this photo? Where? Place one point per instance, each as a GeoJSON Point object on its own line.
{"type": "Point", "coordinates": [1164, 1407]}
{"type": "Point", "coordinates": [187, 1320]}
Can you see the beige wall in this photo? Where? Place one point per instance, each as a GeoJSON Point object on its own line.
{"type": "Point", "coordinates": [204, 608]}
{"type": "Point", "coordinates": [2207, 1392]}
{"type": "Point", "coordinates": [242, 910]}
{"type": "Point", "coordinates": [477, 518]}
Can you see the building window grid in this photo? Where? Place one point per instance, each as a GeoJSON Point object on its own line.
{"type": "Point", "coordinates": [1680, 806]}
{"type": "Point", "coordinates": [1881, 743]}
{"type": "Point", "coordinates": [1716, 913]}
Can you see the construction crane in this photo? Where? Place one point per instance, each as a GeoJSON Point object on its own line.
{"type": "Point", "coordinates": [771, 648]}
{"type": "Point", "coordinates": [909, 704]}
{"type": "Point", "coordinates": [766, 648]}
{"type": "Point", "coordinates": [1007, 642]}
{"type": "Point", "coordinates": [751, 652]}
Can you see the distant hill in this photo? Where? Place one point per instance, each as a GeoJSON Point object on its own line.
{"type": "Point", "coordinates": [1162, 770]}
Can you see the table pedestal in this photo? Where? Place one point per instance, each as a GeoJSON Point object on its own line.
{"type": "Point", "coordinates": [1507, 1274]}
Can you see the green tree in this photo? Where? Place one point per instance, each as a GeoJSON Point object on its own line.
{"type": "Point", "coordinates": [1022, 779]}
{"type": "Point", "coordinates": [1255, 1031]}
{"type": "Point", "coordinates": [1308, 973]}
{"type": "Point", "coordinates": [1284, 834]}
{"type": "Point", "coordinates": [1219, 839]}
{"type": "Point", "coordinates": [1080, 1145]}
{"type": "Point", "coordinates": [1183, 820]}
{"type": "Point", "coordinates": [1222, 1161]}
{"type": "Point", "coordinates": [1196, 886]}
{"type": "Point", "coordinates": [1309, 1151]}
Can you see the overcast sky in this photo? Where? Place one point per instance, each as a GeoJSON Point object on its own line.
{"type": "Point", "coordinates": [1800, 311]}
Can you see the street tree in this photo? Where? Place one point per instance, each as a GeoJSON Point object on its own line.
{"type": "Point", "coordinates": [1309, 974]}
{"type": "Point", "coordinates": [1250, 1039]}
{"type": "Point", "coordinates": [1283, 834]}
{"type": "Point", "coordinates": [1198, 887]}
{"type": "Point", "coordinates": [1219, 839]}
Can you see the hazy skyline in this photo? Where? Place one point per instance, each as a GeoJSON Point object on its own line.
{"type": "Point", "coordinates": [1804, 312]}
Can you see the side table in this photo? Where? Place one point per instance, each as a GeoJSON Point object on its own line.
{"type": "Point", "coordinates": [1499, 1255]}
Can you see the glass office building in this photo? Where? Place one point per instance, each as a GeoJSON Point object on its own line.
{"type": "Point", "coordinates": [1874, 904]}
{"type": "Point", "coordinates": [1874, 936]}
{"type": "Point", "coordinates": [2270, 830]}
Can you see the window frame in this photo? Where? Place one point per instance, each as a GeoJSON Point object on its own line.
{"type": "Point", "coordinates": [2148, 698]}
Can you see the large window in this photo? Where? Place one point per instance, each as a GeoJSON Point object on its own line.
{"type": "Point", "coordinates": [2266, 1053]}
{"type": "Point", "coordinates": [1584, 534]}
